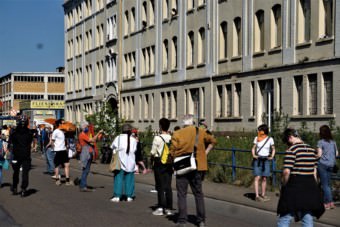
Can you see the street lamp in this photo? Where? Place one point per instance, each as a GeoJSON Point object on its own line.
{"type": "Point", "coordinates": [268, 89]}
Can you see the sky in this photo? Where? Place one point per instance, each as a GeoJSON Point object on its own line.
{"type": "Point", "coordinates": [31, 36]}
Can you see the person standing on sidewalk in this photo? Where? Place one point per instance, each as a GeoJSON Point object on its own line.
{"type": "Point", "coordinates": [126, 146]}
{"type": "Point", "coordinates": [86, 155]}
{"type": "Point", "coordinates": [182, 143]}
{"type": "Point", "coordinates": [61, 155]}
{"type": "Point", "coordinates": [163, 172]}
{"type": "Point", "coordinates": [263, 152]}
{"type": "Point", "coordinates": [21, 140]}
{"type": "Point", "coordinates": [300, 196]}
{"type": "Point", "coordinates": [48, 150]}
{"type": "Point", "coordinates": [327, 151]}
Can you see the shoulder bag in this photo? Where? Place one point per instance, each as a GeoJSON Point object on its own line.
{"type": "Point", "coordinates": [115, 162]}
{"type": "Point", "coordinates": [186, 163]}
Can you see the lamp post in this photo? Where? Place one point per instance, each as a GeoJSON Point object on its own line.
{"type": "Point", "coordinates": [268, 89]}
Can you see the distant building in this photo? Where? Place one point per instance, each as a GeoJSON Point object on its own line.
{"type": "Point", "coordinates": [230, 62]}
{"type": "Point", "coordinates": [27, 87]}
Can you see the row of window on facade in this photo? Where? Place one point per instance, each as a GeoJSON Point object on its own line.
{"type": "Point", "coordinates": [79, 81]}
{"type": "Point", "coordinates": [315, 90]}
{"type": "Point", "coordinates": [89, 44]}
{"type": "Point", "coordinates": [37, 97]}
{"type": "Point", "coordinates": [38, 79]}
{"type": "Point", "coordinates": [78, 112]}
{"type": "Point", "coordinates": [82, 11]}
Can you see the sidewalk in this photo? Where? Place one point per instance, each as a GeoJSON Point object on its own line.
{"type": "Point", "coordinates": [225, 192]}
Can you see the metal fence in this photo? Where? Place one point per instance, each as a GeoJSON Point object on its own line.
{"type": "Point", "coordinates": [234, 166]}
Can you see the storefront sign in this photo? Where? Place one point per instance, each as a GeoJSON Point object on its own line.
{"type": "Point", "coordinates": [42, 104]}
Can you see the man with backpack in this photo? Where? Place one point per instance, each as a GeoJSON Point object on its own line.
{"type": "Point", "coordinates": [162, 169]}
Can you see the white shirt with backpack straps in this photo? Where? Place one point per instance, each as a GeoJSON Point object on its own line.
{"type": "Point", "coordinates": [265, 151]}
{"type": "Point", "coordinates": [158, 144]}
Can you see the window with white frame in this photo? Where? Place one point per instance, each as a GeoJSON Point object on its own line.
{"type": "Point", "coordinates": [328, 92]}
{"type": "Point", "coordinates": [276, 27]}
{"type": "Point", "coordinates": [97, 74]}
{"type": "Point", "coordinates": [298, 95]}
{"type": "Point", "coordinates": [165, 54]}
{"type": "Point", "coordinates": [201, 46]}
{"type": "Point", "coordinates": [252, 99]}
{"type": "Point", "coordinates": [174, 53]}
{"type": "Point", "coordinates": [325, 18]}
{"type": "Point", "coordinates": [237, 37]}
{"type": "Point", "coordinates": [146, 106]}
{"type": "Point", "coordinates": [145, 14]}
{"type": "Point", "coordinates": [97, 36]}
{"type": "Point", "coordinates": [190, 48]}
{"type": "Point", "coordinates": [151, 12]}
{"type": "Point", "coordinates": [303, 21]}
{"type": "Point", "coordinates": [133, 20]}
{"type": "Point", "coordinates": [201, 2]}
{"type": "Point", "coordinates": [229, 100]}
{"type": "Point", "coordinates": [190, 4]}
{"type": "Point", "coordinates": [259, 31]}
{"type": "Point", "coordinates": [165, 9]}
{"type": "Point", "coordinates": [141, 106]}
{"type": "Point", "coordinates": [223, 40]}
{"type": "Point", "coordinates": [237, 100]}
{"type": "Point", "coordinates": [174, 7]}
{"type": "Point", "coordinates": [126, 23]}
{"type": "Point", "coordinates": [219, 101]}
{"type": "Point", "coordinates": [312, 94]}
{"type": "Point", "coordinates": [163, 105]}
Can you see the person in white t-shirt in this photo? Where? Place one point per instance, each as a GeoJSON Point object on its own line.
{"type": "Point", "coordinates": [263, 152]}
{"type": "Point", "coordinates": [61, 158]}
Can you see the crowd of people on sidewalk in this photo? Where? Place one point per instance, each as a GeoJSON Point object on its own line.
{"type": "Point", "coordinates": [183, 154]}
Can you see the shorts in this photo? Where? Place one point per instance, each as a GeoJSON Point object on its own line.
{"type": "Point", "coordinates": [261, 167]}
{"type": "Point", "coordinates": [61, 157]}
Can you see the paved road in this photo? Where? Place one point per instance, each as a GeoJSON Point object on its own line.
{"type": "Point", "coordinates": [51, 205]}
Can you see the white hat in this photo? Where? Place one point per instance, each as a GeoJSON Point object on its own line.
{"type": "Point", "coordinates": [84, 124]}
{"type": "Point", "coordinates": [188, 119]}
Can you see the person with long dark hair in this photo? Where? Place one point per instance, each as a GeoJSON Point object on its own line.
{"type": "Point", "coordinates": [327, 150]}
{"type": "Point", "coordinates": [300, 196]}
{"type": "Point", "coordinates": [126, 146]}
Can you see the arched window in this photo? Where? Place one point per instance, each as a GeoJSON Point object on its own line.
{"type": "Point", "coordinates": [126, 23]}
{"type": "Point", "coordinates": [133, 16]}
{"type": "Point", "coordinates": [223, 40]}
{"type": "Point", "coordinates": [259, 31]}
{"type": "Point", "coordinates": [174, 53]}
{"type": "Point", "coordinates": [152, 12]}
{"type": "Point", "coordinates": [201, 45]}
{"type": "Point", "coordinates": [237, 37]}
{"type": "Point", "coordinates": [191, 4]}
{"type": "Point", "coordinates": [165, 9]}
{"type": "Point", "coordinates": [276, 27]}
{"type": "Point", "coordinates": [165, 54]}
{"type": "Point", "coordinates": [303, 21]}
{"type": "Point", "coordinates": [144, 14]}
{"type": "Point", "coordinates": [190, 48]}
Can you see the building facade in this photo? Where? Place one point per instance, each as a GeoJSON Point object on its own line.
{"type": "Point", "coordinates": [18, 87]}
{"type": "Point", "coordinates": [231, 62]}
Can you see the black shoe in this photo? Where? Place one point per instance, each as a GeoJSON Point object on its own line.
{"type": "Point", "coordinates": [14, 191]}
{"type": "Point", "coordinates": [76, 181]}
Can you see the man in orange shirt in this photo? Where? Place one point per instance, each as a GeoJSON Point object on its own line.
{"type": "Point", "coordinates": [86, 155]}
{"type": "Point", "coordinates": [182, 143]}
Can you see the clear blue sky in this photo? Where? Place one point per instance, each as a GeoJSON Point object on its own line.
{"type": "Point", "coordinates": [31, 35]}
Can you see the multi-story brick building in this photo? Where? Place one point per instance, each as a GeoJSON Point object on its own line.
{"type": "Point", "coordinates": [17, 87]}
{"type": "Point", "coordinates": [230, 62]}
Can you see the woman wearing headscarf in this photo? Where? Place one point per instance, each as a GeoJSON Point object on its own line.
{"type": "Point", "coordinates": [126, 146]}
{"type": "Point", "coordinates": [327, 150]}
{"type": "Point", "coordinates": [300, 197]}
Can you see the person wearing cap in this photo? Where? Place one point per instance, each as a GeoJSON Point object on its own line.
{"type": "Point", "coordinates": [86, 155]}
{"type": "Point", "coordinates": [21, 139]}
{"type": "Point", "coordinates": [300, 196]}
{"type": "Point", "coordinates": [126, 146]}
{"type": "Point", "coordinates": [182, 143]}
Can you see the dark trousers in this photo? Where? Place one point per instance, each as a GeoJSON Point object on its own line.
{"type": "Point", "coordinates": [26, 165]}
{"type": "Point", "coordinates": [195, 180]}
{"type": "Point", "coordinates": [163, 177]}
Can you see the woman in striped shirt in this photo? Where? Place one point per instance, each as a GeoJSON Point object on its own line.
{"type": "Point", "coordinates": [300, 196]}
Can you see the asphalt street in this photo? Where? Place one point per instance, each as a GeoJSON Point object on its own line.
{"type": "Point", "coordinates": [52, 205]}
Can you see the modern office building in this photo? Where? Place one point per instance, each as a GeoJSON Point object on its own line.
{"type": "Point", "coordinates": [33, 87]}
{"type": "Point", "coordinates": [231, 62]}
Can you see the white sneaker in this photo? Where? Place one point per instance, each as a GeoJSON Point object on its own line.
{"type": "Point", "coordinates": [168, 212]}
{"type": "Point", "coordinates": [153, 191]}
{"type": "Point", "coordinates": [115, 199]}
{"type": "Point", "coordinates": [158, 212]}
{"type": "Point", "coordinates": [129, 199]}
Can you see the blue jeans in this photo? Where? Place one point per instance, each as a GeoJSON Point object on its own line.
{"type": "Point", "coordinates": [85, 173]}
{"type": "Point", "coordinates": [126, 179]}
{"type": "Point", "coordinates": [325, 173]}
{"type": "Point", "coordinates": [284, 221]}
{"type": "Point", "coordinates": [50, 154]}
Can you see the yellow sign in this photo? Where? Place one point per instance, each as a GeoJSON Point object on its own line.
{"type": "Point", "coordinates": [42, 104]}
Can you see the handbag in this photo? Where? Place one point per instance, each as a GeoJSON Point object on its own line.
{"type": "Point", "coordinates": [186, 163]}
{"type": "Point", "coordinates": [115, 163]}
